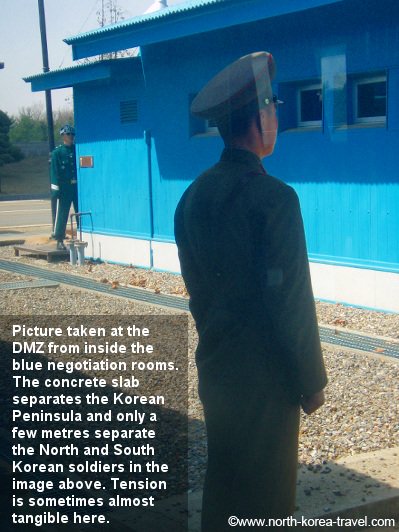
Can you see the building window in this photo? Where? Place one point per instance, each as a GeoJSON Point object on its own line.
{"type": "Point", "coordinates": [370, 99]}
{"type": "Point", "coordinates": [129, 111]}
{"type": "Point", "coordinates": [200, 127]}
{"type": "Point", "coordinates": [310, 105]}
{"type": "Point", "coordinates": [211, 126]}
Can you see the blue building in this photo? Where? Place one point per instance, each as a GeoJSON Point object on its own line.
{"type": "Point", "coordinates": [338, 73]}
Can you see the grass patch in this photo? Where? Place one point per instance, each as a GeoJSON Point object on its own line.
{"type": "Point", "coordinates": [29, 176]}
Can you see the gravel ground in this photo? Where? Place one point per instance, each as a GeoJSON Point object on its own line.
{"type": "Point", "coordinates": [362, 409]}
{"type": "Point", "coordinates": [367, 321]}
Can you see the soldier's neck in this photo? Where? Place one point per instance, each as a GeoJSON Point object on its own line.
{"type": "Point", "coordinates": [248, 146]}
{"type": "Point", "coordinates": [252, 141]}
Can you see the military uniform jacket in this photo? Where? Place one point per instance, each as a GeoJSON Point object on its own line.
{"type": "Point", "coordinates": [243, 257]}
{"type": "Point", "coordinates": [63, 170]}
{"type": "Point", "coordinates": [242, 250]}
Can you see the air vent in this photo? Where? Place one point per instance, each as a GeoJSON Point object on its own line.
{"type": "Point", "coordinates": [129, 111]}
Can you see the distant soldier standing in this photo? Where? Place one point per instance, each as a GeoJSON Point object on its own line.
{"type": "Point", "coordinates": [64, 182]}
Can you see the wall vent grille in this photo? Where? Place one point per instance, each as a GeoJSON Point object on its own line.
{"type": "Point", "coordinates": [129, 111]}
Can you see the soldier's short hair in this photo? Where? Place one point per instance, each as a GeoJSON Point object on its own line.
{"type": "Point", "coordinates": [237, 123]}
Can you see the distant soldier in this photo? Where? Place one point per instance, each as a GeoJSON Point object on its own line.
{"type": "Point", "coordinates": [64, 182]}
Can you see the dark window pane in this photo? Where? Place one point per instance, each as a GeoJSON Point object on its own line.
{"type": "Point", "coordinates": [371, 99]}
{"type": "Point", "coordinates": [311, 105]}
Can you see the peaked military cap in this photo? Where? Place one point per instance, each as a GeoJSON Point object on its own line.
{"type": "Point", "coordinates": [240, 83]}
{"type": "Point", "coordinates": [67, 130]}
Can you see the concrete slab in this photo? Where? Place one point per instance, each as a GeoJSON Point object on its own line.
{"type": "Point", "coordinates": [10, 236]}
{"type": "Point", "coordinates": [42, 250]}
{"type": "Point", "coordinates": [32, 239]}
{"type": "Point", "coordinates": [361, 486]}
{"type": "Point", "coordinates": [355, 488]}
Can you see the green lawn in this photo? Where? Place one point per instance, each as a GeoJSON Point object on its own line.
{"type": "Point", "coordinates": [29, 176]}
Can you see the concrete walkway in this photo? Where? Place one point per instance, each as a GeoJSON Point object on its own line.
{"type": "Point", "coordinates": [356, 488]}
{"type": "Point", "coordinates": [359, 487]}
{"type": "Point", "coordinates": [10, 236]}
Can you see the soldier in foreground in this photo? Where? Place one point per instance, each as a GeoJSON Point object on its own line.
{"type": "Point", "coordinates": [64, 182]}
{"type": "Point", "coordinates": [243, 257]}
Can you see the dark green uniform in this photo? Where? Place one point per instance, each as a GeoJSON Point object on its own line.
{"type": "Point", "coordinates": [243, 257]}
{"type": "Point", "coordinates": [63, 186]}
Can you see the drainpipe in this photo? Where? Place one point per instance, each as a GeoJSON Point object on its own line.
{"type": "Point", "coordinates": [150, 193]}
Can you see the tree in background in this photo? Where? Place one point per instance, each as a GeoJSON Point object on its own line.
{"type": "Point", "coordinates": [110, 13]}
{"type": "Point", "coordinates": [8, 152]}
{"type": "Point", "coordinates": [31, 125]}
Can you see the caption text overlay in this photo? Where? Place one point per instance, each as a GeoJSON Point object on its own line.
{"type": "Point", "coordinates": [95, 418]}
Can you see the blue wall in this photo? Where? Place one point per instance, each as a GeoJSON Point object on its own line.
{"type": "Point", "coordinates": [116, 189]}
{"type": "Point", "coordinates": [346, 177]}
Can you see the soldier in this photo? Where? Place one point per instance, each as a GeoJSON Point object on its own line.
{"type": "Point", "coordinates": [243, 257]}
{"type": "Point", "coordinates": [64, 182]}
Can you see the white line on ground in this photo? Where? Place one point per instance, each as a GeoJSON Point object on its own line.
{"type": "Point", "coordinates": [25, 210]}
{"type": "Point", "coordinates": [22, 226]}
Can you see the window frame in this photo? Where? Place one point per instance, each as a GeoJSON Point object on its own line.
{"type": "Point", "coordinates": [368, 79]}
{"type": "Point", "coordinates": [308, 123]}
{"type": "Point", "coordinates": [211, 127]}
{"type": "Point", "coordinates": [197, 126]}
